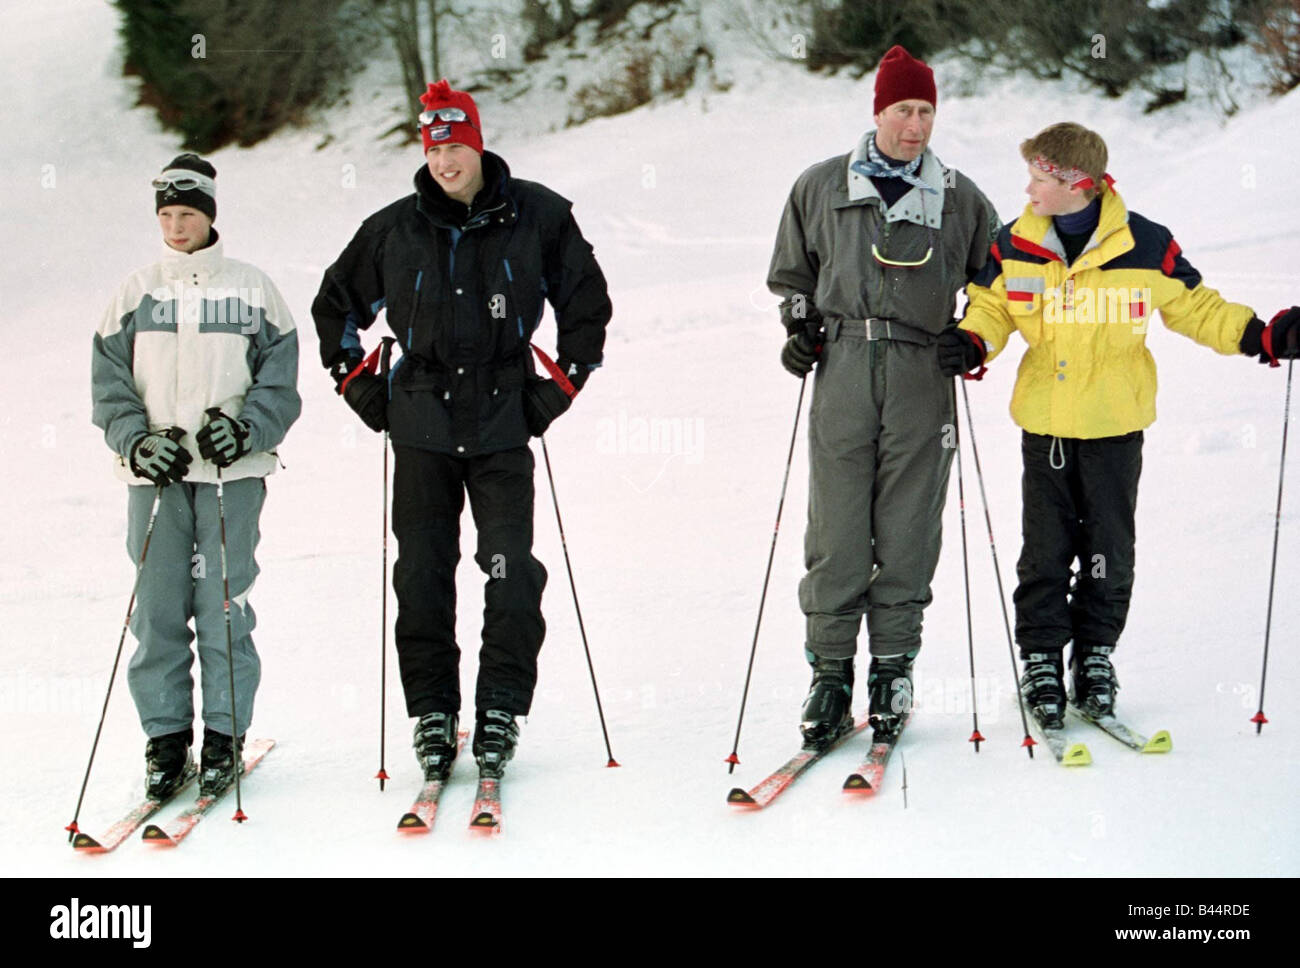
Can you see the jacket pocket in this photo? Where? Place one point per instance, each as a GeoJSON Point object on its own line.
{"type": "Point", "coordinates": [418, 415]}
{"type": "Point", "coordinates": [501, 410]}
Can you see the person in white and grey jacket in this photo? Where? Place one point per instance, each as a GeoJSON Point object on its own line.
{"type": "Point", "coordinates": [194, 368]}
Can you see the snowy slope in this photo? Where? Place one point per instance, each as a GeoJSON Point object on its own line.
{"type": "Point", "coordinates": [669, 530]}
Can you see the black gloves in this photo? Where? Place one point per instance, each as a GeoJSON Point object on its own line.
{"type": "Point", "coordinates": [364, 392]}
{"type": "Point", "coordinates": [800, 353]}
{"type": "Point", "coordinates": [1279, 340]}
{"type": "Point", "coordinates": [960, 351]}
{"type": "Point", "coordinates": [367, 394]}
{"type": "Point", "coordinates": [544, 400]}
{"type": "Point", "coordinates": [160, 457]}
{"type": "Point", "coordinates": [803, 326]}
{"type": "Point", "coordinates": [223, 439]}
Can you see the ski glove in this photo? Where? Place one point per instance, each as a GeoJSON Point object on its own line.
{"type": "Point", "coordinates": [960, 351]}
{"type": "Point", "coordinates": [800, 353]}
{"type": "Point", "coordinates": [543, 402]}
{"type": "Point", "coordinates": [367, 395]}
{"type": "Point", "coordinates": [160, 457]}
{"type": "Point", "coordinates": [223, 439]}
{"type": "Point", "coordinates": [1280, 339]}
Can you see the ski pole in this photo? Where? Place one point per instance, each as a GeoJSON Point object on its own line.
{"type": "Point", "coordinates": [733, 759]}
{"type": "Point", "coordinates": [382, 775]}
{"type": "Point", "coordinates": [975, 736]}
{"type": "Point", "coordinates": [576, 607]}
{"type": "Point", "coordinates": [1259, 718]}
{"type": "Point", "coordinates": [1028, 742]}
{"type": "Point", "coordinates": [175, 434]}
{"type": "Point", "coordinates": [236, 758]}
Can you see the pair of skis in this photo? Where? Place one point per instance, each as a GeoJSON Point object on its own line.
{"type": "Point", "coordinates": [180, 826]}
{"type": "Point", "coordinates": [1077, 754]}
{"type": "Point", "coordinates": [485, 817]}
{"type": "Point", "coordinates": [867, 778]}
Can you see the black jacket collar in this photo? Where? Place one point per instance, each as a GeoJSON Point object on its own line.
{"type": "Point", "coordinates": [493, 197]}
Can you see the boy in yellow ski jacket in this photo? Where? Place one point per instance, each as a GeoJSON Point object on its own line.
{"type": "Point", "coordinates": [1080, 276]}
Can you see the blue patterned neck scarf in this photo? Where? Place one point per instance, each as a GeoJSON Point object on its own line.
{"type": "Point", "coordinates": [878, 166]}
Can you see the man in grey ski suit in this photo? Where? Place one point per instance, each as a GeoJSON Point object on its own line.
{"type": "Point", "coordinates": [194, 363]}
{"type": "Point", "coordinates": [872, 250]}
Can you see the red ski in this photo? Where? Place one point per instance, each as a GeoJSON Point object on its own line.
{"type": "Point", "coordinates": [117, 833]}
{"type": "Point", "coordinates": [866, 778]}
{"type": "Point", "coordinates": [187, 820]}
{"type": "Point", "coordinates": [419, 819]}
{"type": "Point", "coordinates": [486, 817]}
{"type": "Point", "coordinates": [775, 785]}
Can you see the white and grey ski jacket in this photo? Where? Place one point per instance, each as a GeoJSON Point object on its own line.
{"type": "Point", "coordinates": [193, 331]}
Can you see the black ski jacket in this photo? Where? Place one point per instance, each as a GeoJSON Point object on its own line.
{"type": "Point", "coordinates": [463, 290]}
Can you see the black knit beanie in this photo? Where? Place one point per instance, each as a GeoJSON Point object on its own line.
{"type": "Point", "coordinates": [194, 196]}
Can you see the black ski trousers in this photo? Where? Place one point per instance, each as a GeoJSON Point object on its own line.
{"type": "Point", "coordinates": [1079, 502]}
{"type": "Point", "coordinates": [428, 496]}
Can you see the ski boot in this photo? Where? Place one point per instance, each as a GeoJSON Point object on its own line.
{"type": "Point", "coordinates": [217, 765]}
{"type": "Point", "coordinates": [435, 744]}
{"type": "Point", "coordinates": [496, 734]}
{"type": "Point", "coordinates": [168, 764]}
{"type": "Point", "coordinates": [828, 710]}
{"type": "Point", "coordinates": [889, 687]}
{"type": "Point", "coordinates": [1043, 688]}
{"type": "Point", "coordinates": [1093, 680]}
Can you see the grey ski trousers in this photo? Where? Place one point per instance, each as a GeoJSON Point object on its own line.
{"type": "Point", "coordinates": [879, 453]}
{"type": "Point", "coordinates": [182, 580]}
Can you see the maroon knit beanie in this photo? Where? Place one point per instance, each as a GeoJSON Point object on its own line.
{"type": "Point", "coordinates": [468, 132]}
{"type": "Point", "coordinates": [901, 77]}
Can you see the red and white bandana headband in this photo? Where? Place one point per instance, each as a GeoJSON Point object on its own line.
{"type": "Point", "coordinates": [1074, 177]}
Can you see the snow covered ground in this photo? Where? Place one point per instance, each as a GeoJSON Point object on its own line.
{"type": "Point", "coordinates": [669, 530]}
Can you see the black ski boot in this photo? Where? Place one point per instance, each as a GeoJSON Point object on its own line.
{"type": "Point", "coordinates": [1093, 680]}
{"type": "Point", "coordinates": [828, 710]}
{"type": "Point", "coordinates": [217, 765]}
{"type": "Point", "coordinates": [496, 734]}
{"type": "Point", "coordinates": [435, 744]}
{"type": "Point", "coordinates": [1043, 687]}
{"type": "Point", "coordinates": [168, 764]}
{"type": "Point", "coordinates": [889, 687]}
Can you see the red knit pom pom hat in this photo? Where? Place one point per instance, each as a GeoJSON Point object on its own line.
{"type": "Point", "coordinates": [442, 132]}
{"type": "Point", "coordinates": [901, 77]}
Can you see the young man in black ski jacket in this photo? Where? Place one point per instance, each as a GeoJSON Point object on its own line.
{"type": "Point", "coordinates": [463, 268]}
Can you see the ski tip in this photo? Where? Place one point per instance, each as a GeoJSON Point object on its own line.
{"type": "Point", "coordinates": [411, 824]}
{"type": "Point", "coordinates": [156, 835]}
{"type": "Point", "coordinates": [857, 783]}
{"type": "Point", "coordinates": [741, 798]}
{"type": "Point", "coordinates": [1077, 755]}
{"type": "Point", "coordinates": [1159, 743]}
{"type": "Point", "coordinates": [484, 823]}
{"type": "Point", "coordinates": [85, 842]}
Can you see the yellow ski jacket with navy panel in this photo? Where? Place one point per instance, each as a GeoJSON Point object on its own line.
{"type": "Point", "coordinates": [1088, 372]}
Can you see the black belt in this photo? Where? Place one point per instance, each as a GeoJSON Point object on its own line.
{"type": "Point", "coordinates": [877, 329]}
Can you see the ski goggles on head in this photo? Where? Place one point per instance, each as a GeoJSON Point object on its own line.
{"type": "Point", "coordinates": [184, 180]}
{"type": "Point", "coordinates": [444, 114]}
